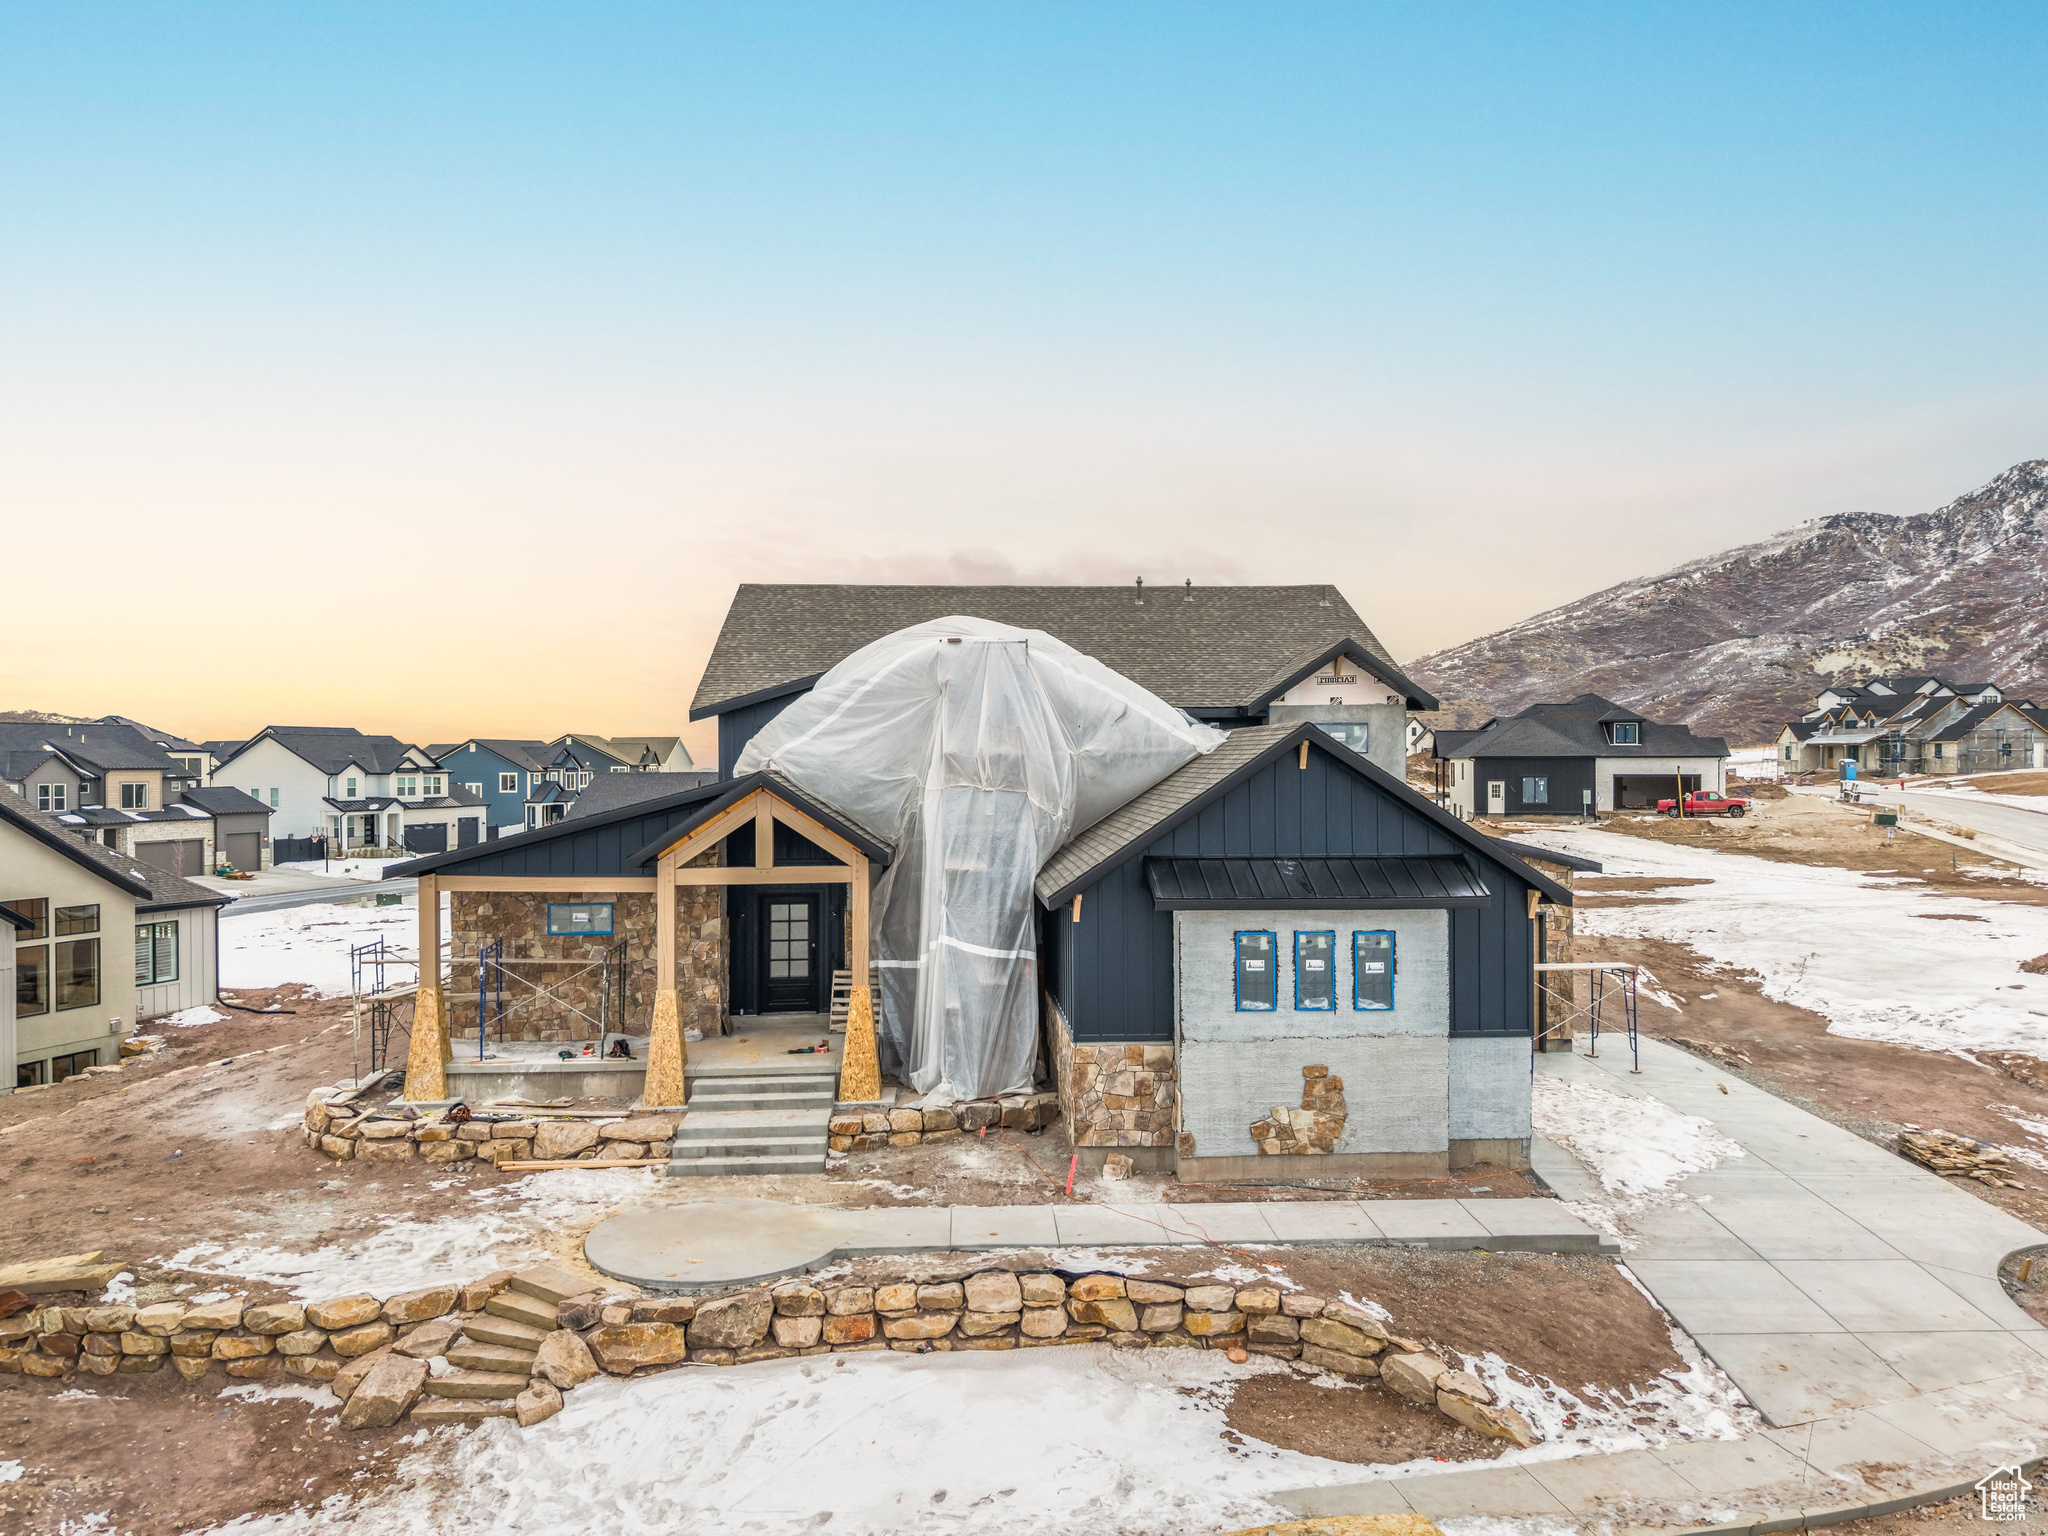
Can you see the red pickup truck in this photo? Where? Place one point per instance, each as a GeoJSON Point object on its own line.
{"type": "Point", "coordinates": [1701, 802]}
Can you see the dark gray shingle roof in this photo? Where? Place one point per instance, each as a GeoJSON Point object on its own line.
{"type": "Point", "coordinates": [331, 748]}
{"type": "Point", "coordinates": [1574, 729]}
{"type": "Point", "coordinates": [611, 791]}
{"type": "Point", "coordinates": [223, 800]}
{"type": "Point", "coordinates": [1217, 648]}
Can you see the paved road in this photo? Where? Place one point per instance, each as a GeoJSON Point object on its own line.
{"type": "Point", "coordinates": [337, 890]}
{"type": "Point", "coordinates": [2010, 823]}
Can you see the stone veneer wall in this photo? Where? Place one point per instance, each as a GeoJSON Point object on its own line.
{"type": "Point", "coordinates": [520, 919]}
{"type": "Point", "coordinates": [1114, 1097]}
{"type": "Point", "coordinates": [855, 1130]}
{"type": "Point", "coordinates": [512, 1343]}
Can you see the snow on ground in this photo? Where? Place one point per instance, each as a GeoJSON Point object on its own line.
{"type": "Point", "coordinates": [1857, 949]}
{"type": "Point", "coordinates": [1638, 1148]}
{"type": "Point", "coordinates": [310, 944]}
{"type": "Point", "coordinates": [495, 1227]}
{"type": "Point", "coordinates": [347, 869]}
{"type": "Point", "coordinates": [192, 1018]}
{"type": "Point", "coordinates": [1082, 1438]}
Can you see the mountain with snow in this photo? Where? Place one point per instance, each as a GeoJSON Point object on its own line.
{"type": "Point", "coordinates": [1739, 642]}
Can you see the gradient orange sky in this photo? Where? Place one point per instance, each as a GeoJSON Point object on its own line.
{"type": "Point", "coordinates": [441, 374]}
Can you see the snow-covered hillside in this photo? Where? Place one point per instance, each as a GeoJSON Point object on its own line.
{"type": "Point", "coordinates": [1739, 642]}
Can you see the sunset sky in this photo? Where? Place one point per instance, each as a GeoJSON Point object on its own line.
{"type": "Point", "coordinates": [440, 369]}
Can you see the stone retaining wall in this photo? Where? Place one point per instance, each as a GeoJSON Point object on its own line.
{"type": "Point", "coordinates": [509, 1345]}
{"type": "Point", "coordinates": [378, 1134]}
{"type": "Point", "coordinates": [869, 1130]}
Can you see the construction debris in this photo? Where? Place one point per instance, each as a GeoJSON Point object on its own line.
{"type": "Point", "coordinates": [1958, 1156]}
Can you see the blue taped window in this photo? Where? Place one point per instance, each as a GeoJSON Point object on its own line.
{"type": "Point", "coordinates": [1258, 972]}
{"type": "Point", "coordinates": [1535, 791]}
{"type": "Point", "coordinates": [1315, 971]}
{"type": "Point", "coordinates": [567, 918]}
{"type": "Point", "coordinates": [1372, 969]}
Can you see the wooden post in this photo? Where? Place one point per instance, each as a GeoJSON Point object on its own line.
{"type": "Point", "coordinates": [1304, 757]}
{"type": "Point", "coordinates": [1077, 906]}
{"type": "Point", "coordinates": [860, 1069]}
{"type": "Point", "coordinates": [426, 1063]}
{"type": "Point", "coordinates": [667, 1053]}
{"type": "Point", "coordinates": [764, 835]}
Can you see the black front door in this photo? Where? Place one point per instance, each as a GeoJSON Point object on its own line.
{"type": "Point", "coordinates": [789, 954]}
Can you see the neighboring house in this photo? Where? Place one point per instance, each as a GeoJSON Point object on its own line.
{"type": "Point", "coordinates": [241, 825]}
{"type": "Point", "coordinates": [1893, 726]}
{"type": "Point", "coordinates": [645, 754]}
{"type": "Point", "coordinates": [97, 942]}
{"type": "Point", "coordinates": [192, 757]}
{"type": "Point", "coordinates": [1232, 656]}
{"type": "Point", "coordinates": [361, 793]}
{"type": "Point", "coordinates": [1587, 756]}
{"type": "Point", "coordinates": [67, 767]}
{"type": "Point", "coordinates": [500, 772]}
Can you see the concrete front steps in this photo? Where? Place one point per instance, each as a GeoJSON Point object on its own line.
{"type": "Point", "coordinates": [769, 1122]}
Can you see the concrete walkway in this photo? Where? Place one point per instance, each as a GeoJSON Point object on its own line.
{"type": "Point", "coordinates": [1852, 1296]}
{"type": "Point", "coordinates": [715, 1243]}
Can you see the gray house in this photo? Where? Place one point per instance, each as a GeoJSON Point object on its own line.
{"type": "Point", "coordinates": [1583, 757]}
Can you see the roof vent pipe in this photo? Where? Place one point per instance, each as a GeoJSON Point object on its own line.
{"type": "Point", "coordinates": [1141, 591]}
{"type": "Point", "coordinates": [1190, 595]}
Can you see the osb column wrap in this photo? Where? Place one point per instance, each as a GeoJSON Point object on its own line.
{"type": "Point", "coordinates": [426, 1064]}
{"type": "Point", "coordinates": [1113, 1095]}
{"type": "Point", "coordinates": [860, 1072]}
{"type": "Point", "coordinates": [1558, 986]}
{"type": "Point", "coordinates": [667, 1054]}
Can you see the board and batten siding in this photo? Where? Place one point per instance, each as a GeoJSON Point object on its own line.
{"type": "Point", "coordinates": [1112, 972]}
{"type": "Point", "coordinates": [1569, 778]}
{"type": "Point", "coordinates": [736, 727]}
{"type": "Point", "coordinates": [198, 982]}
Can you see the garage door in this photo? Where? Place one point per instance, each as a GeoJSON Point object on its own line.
{"type": "Point", "coordinates": [186, 857]}
{"type": "Point", "coordinates": [244, 850]}
{"type": "Point", "coordinates": [429, 838]}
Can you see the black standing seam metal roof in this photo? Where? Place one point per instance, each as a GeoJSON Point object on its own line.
{"type": "Point", "coordinates": [1181, 795]}
{"type": "Point", "coordinates": [1551, 856]}
{"type": "Point", "coordinates": [1180, 884]}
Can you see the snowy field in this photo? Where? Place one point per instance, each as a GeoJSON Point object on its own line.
{"type": "Point", "coordinates": [1859, 950]}
{"type": "Point", "coordinates": [309, 945]}
{"type": "Point", "coordinates": [1081, 1438]}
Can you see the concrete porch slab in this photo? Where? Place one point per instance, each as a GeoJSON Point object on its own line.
{"type": "Point", "coordinates": [1795, 1377]}
{"type": "Point", "coordinates": [1730, 1296]}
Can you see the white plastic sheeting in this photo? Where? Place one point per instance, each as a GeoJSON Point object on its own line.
{"type": "Point", "coordinates": [975, 750]}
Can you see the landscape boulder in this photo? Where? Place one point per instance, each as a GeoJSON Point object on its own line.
{"type": "Point", "coordinates": [630, 1346]}
{"type": "Point", "coordinates": [385, 1391]}
{"type": "Point", "coordinates": [565, 1359]}
{"type": "Point", "coordinates": [732, 1322]}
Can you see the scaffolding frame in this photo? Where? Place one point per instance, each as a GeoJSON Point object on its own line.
{"type": "Point", "coordinates": [1600, 973]}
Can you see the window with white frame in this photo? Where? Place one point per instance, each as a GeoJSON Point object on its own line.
{"type": "Point", "coordinates": [350, 792]}
{"type": "Point", "coordinates": [273, 799]}
{"type": "Point", "coordinates": [50, 797]}
{"type": "Point", "coordinates": [134, 797]}
{"type": "Point", "coordinates": [433, 783]}
{"type": "Point", "coordinates": [508, 783]}
{"type": "Point", "coordinates": [408, 785]}
{"type": "Point", "coordinates": [475, 789]}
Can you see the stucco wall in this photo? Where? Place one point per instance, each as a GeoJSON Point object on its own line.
{"type": "Point", "coordinates": [1235, 1068]}
{"type": "Point", "coordinates": [1387, 737]}
{"type": "Point", "coordinates": [29, 869]}
{"type": "Point", "coordinates": [1489, 1089]}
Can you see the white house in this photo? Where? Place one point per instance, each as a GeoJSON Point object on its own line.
{"type": "Point", "coordinates": [357, 791]}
